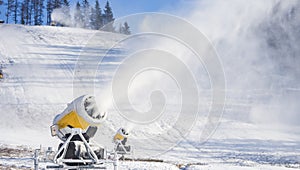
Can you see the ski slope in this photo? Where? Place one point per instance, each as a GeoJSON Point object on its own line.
{"type": "Point", "coordinates": [39, 65]}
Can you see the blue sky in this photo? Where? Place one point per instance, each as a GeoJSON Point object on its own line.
{"type": "Point", "coordinates": [127, 7]}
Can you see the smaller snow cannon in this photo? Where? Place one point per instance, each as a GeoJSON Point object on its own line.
{"type": "Point", "coordinates": [75, 126]}
{"type": "Point", "coordinates": [120, 140]}
{"type": "Point", "coordinates": [121, 135]}
{"type": "Point", "coordinates": [1, 74]}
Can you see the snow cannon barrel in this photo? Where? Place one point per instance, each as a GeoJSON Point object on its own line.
{"type": "Point", "coordinates": [81, 113]}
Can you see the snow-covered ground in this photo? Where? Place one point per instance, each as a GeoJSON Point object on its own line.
{"type": "Point", "coordinates": [39, 64]}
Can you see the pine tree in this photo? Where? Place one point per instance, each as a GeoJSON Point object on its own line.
{"type": "Point", "coordinates": [86, 13]}
{"type": "Point", "coordinates": [38, 8]}
{"type": "Point", "coordinates": [9, 9]}
{"type": "Point", "coordinates": [49, 9]}
{"type": "Point", "coordinates": [126, 29]}
{"type": "Point", "coordinates": [23, 13]}
{"type": "Point", "coordinates": [93, 18]}
{"type": "Point", "coordinates": [98, 16]}
{"type": "Point", "coordinates": [35, 11]}
{"type": "Point", "coordinates": [108, 14]}
{"type": "Point", "coordinates": [40, 12]}
{"type": "Point", "coordinates": [66, 9]}
{"type": "Point", "coordinates": [26, 11]}
{"type": "Point", "coordinates": [66, 3]}
{"type": "Point", "coordinates": [108, 18]}
{"type": "Point", "coordinates": [15, 11]}
{"type": "Point", "coordinates": [78, 18]}
{"type": "Point", "coordinates": [120, 29]}
{"type": "Point", "coordinates": [57, 4]}
{"type": "Point", "coordinates": [1, 3]}
{"type": "Point", "coordinates": [30, 11]}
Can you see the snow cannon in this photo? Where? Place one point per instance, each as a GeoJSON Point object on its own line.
{"type": "Point", "coordinates": [75, 126]}
{"type": "Point", "coordinates": [81, 113]}
{"type": "Point", "coordinates": [120, 140]}
{"type": "Point", "coordinates": [121, 135]}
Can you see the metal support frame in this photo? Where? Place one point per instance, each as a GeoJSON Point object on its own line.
{"type": "Point", "coordinates": [60, 159]}
{"type": "Point", "coordinates": [120, 144]}
{"type": "Point", "coordinates": [36, 159]}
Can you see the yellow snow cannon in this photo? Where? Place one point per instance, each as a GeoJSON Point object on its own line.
{"type": "Point", "coordinates": [1, 74]}
{"type": "Point", "coordinates": [75, 126]}
{"type": "Point", "coordinates": [121, 135]}
{"type": "Point", "coordinates": [120, 140]}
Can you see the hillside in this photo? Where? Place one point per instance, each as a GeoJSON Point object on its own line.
{"type": "Point", "coordinates": [39, 64]}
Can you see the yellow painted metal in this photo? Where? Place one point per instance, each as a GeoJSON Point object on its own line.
{"type": "Point", "coordinates": [119, 137]}
{"type": "Point", "coordinates": [74, 120]}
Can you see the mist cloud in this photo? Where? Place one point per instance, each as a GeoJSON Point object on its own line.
{"type": "Point", "coordinates": [258, 43]}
